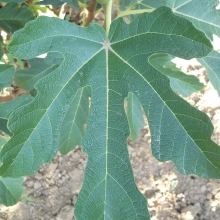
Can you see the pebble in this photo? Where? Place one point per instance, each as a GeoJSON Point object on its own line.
{"type": "Point", "coordinates": [133, 154]}
{"type": "Point", "coordinates": [30, 183]}
{"type": "Point", "coordinates": [193, 209]}
{"type": "Point", "coordinates": [209, 195]}
{"type": "Point", "coordinates": [37, 185]}
{"type": "Point", "coordinates": [217, 196]}
{"type": "Point", "coordinates": [66, 213]}
{"type": "Point", "coordinates": [53, 166]}
{"type": "Point", "coordinates": [203, 188]}
{"type": "Point", "coordinates": [150, 193]}
{"type": "Point", "coordinates": [38, 176]}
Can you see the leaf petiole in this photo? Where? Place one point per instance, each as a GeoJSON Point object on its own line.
{"type": "Point", "coordinates": [108, 16]}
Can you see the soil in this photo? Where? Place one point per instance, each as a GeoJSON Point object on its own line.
{"type": "Point", "coordinates": [171, 196]}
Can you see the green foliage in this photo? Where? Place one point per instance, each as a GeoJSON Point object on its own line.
{"type": "Point", "coordinates": [179, 81]}
{"type": "Point", "coordinates": [73, 126]}
{"type": "Point", "coordinates": [102, 1]}
{"type": "Point", "coordinates": [203, 14]}
{"type": "Point", "coordinates": [212, 65]}
{"type": "Point", "coordinates": [11, 190]}
{"type": "Point", "coordinates": [3, 140]}
{"type": "Point", "coordinates": [13, 18]}
{"type": "Point", "coordinates": [141, 4]}
{"type": "Point", "coordinates": [18, 1]}
{"type": "Point", "coordinates": [135, 116]}
{"type": "Point", "coordinates": [6, 75]}
{"type": "Point", "coordinates": [26, 78]}
{"type": "Point", "coordinates": [3, 127]}
{"type": "Point", "coordinates": [54, 3]}
{"type": "Point", "coordinates": [8, 107]}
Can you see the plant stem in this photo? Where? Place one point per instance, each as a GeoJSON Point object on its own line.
{"type": "Point", "coordinates": [108, 16]}
{"type": "Point", "coordinates": [91, 12]}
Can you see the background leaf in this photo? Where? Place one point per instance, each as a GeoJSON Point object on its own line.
{"type": "Point", "coordinates": [144, 4]}
{"type": "Point", "coordinates": [73, 126]}
{"type": "Point", "coordinates": [18, 1]}
{"type": "Point", "coordinates": [135, 116]}
{"type": "Point", "coordinates": [6, 75]}
{"type": "Point", "coordinates": [27, 77]}
{"type": "Point", "coordinates": [180, 82]}
{"type": "Point", "coordinates": [13, 18]}
{"type": "Point", "coordinates": [203, 14]}
{"type": "Point", "coordinates": [11, 190]}
{"type": "Point", "coordinates": [3, 140]}
{"type": "Point", "coordinates": [3, 126]}
{"type": "Point", "coordinates": [54, 58]}
{"type": "Point", "coordinates": [6, 108]}
{"type": "Point", "coordinates": [54, 3]}
{"type": "Point", "coordinates": [212, 65]}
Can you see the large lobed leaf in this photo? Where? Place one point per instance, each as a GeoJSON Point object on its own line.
{"type": "Point", "coordinates": [112, 67]}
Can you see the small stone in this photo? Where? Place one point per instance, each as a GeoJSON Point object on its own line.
{"type": "Point", "coordinates": [133, 154]}
{"type": "Point", "coordinates": [38, 176]}
{"type": "Point", "coordinates": [191, 210]}
{"type": "Point", "coordinates": [66, 213]}
{"type": "Point", "coordinates": [51, 181]}
{"type": "Point", "coordinates": [203, 188]}
{"type": "Point", "coordinates": [217, 196]}
{"type": "Point", "coordinates": [130, 149]}
{"type": "Point", "coordinates": [30, 183]}
{"type": "Point", "coordinates": [209, 196]}
{"type": "Point", "coordinates": [150, 193]}
{"type": "Point", "coordinates": [37, 185]}
{"type": "Point", "coordinates": [150, 203]}
{"type": "Point", "coordinates": [53, 166]}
